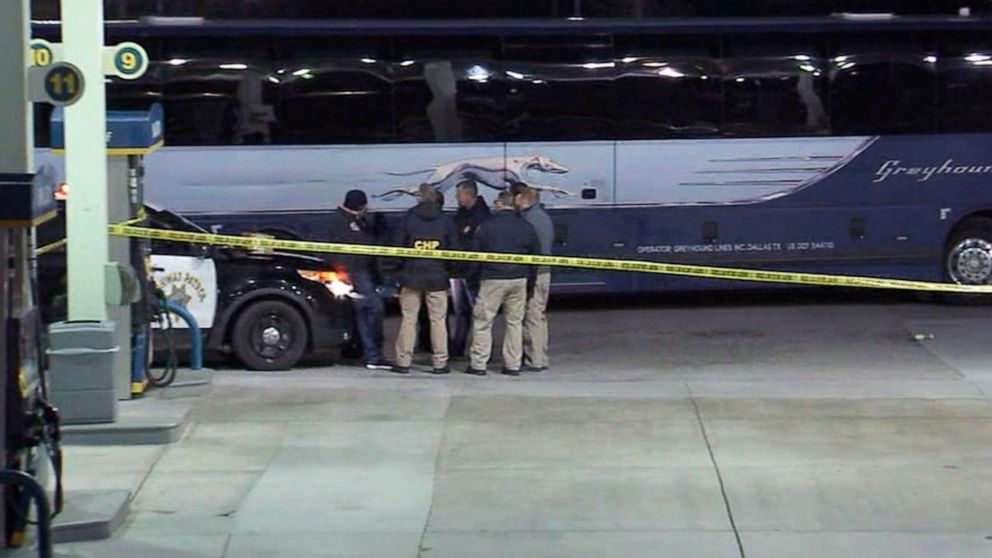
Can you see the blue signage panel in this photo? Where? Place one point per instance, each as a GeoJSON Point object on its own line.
{"type": "Point", "coordinates": [126, 130]}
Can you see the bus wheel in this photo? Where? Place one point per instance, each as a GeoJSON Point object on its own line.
{"type": "Point", "coordinates": [969, 258]}
{"type": "Point", "coordinates": [269, 335]}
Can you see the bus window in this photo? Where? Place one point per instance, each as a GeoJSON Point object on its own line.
{"type": "Point", "coordinates": [668, 87]}
{"type": "Point", "coordinates": [334, 90]}
{"type": "Point", "coordinates": [559, 88]}
{"type": "Point", "coordinates": [217, 91]}
{"type": "Point", "coordinates": [882, 86]}
{"type": "Point", "coordinates": [965, 77]}
{"type": "Point", "coordinates": [447, 89]}
{"type": "Point", "coordinates": [773, 88]}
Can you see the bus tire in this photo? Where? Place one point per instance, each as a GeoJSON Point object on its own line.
{"type": "Point", "coordinates": [269, 335]}
{"type": "Point", "coordinates": [968, 259]}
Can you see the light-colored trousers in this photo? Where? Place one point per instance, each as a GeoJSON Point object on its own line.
{"type": "Point", "coordinates": [437, 311]}
{"type": "Point", "coordinates": [511, 296]}
{"type": "Point", "coordinates": [536, 323]}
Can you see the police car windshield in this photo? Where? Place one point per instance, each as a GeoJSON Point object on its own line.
{"type": "Point", "coordinates": [164, 218]}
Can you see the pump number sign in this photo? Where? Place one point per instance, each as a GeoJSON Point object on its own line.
{"type": "Point", "coordinates": [127, 61]}
{"type": "Point", "coordinates": [63, 84]}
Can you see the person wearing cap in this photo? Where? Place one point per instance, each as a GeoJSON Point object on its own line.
{"type": "Point", "coordinates": [349, 225]}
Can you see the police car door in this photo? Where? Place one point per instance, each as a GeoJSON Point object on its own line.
{"type": "Point", "coordinates": [189, 282]}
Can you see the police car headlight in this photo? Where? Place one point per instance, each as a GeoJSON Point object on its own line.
{"type": "Point", "coordinates": [335, 281]}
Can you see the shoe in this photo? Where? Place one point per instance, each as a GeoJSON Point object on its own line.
{"type": "Point", "coordinates": [378, 365]}
{"type": "Point", "coordinates": [475, 371]}
{"type": "Point", "coordinates": [510, 372]}
{"type": "Point", "coordinates": [534, 369]}
{"type": "Point", "coordinates": [400, 369]}
{"type": "Point", "coordinates": [440, 371]}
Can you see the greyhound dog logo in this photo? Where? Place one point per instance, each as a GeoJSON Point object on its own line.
{"type": "Point", "coordinates": [497, 173]}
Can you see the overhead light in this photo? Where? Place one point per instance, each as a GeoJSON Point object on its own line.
{"type": "Point", "coordinates": [368, 60]}
{"type": "Point", "coordinates": [802, 57]}
{"type": "Point", "coordinates": [629, 59]}
{"type": "Point", "coordinates": [408, 63]}
{"type": "Point", "coordinates": [233, 66]}
{"type": "Point", "coordinates": [670, 72]}
{"type": "Point", "coordinates": [301, 72]}
{"type": "Point", "coordinates": [597, 65]}
{"type": "Point", "coordinates": [739, 80]}
{"type": "Point", "coordinates": [177, 61]}
{"type": "Point", "coordinates": [273, 79]}
{"type": "Point", "coordinates": [976, 57]}
{"type": "Point", "coordinates": [515, 75]}
{"type": "Point", "coordinates": [840, 59]}
{"type": "Point", "coordinates": [807, 67]}
{"type": "Point", "coordinates": [931, 59]}
{"type": "Point", "coordinates": [655, 64]}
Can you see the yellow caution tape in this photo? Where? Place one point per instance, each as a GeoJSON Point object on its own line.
{"type": "Point", "coordinates": [49, 247]}
{"type": "Point", "coordinates": [142, 215]}
{"type": "Point", "coordinates": [686, 270]}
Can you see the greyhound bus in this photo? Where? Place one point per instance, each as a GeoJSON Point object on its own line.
{"type": "Point", "coordinates": [850, 144]}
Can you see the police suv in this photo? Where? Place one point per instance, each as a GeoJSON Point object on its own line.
{"type": "Point", "coordinates": [267, 308]}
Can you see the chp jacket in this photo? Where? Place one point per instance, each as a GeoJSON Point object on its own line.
{"type": "Point", "coordinates": [425, 227]}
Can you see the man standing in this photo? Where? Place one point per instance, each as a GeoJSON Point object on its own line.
{"type": "Point", "coordinates": [425, 227]}
{"type": "Point", "coordinates": [527, 201]}
{"type": "Point", "coordinates": [472, 211]}
{"type": "Point", "coordinates": [349, 225]}
{"type": "Point", "coordinates": [502, 286]}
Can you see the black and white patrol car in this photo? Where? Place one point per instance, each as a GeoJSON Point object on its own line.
{"type": "Point", "coordinates": [266, 308]}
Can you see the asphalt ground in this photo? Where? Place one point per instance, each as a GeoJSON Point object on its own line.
{"type": "Point", "coordinates": [769, 424]}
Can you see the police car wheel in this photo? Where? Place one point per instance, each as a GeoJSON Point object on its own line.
{"type": "Point", "coordinates": [269, 335]}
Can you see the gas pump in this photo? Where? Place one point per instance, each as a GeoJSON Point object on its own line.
{"type": "Point", "coordinates": [131, 135]}
{"type": "Point", "coordinates": [32, 454]}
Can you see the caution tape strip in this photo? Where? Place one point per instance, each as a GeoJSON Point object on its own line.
{"type": "Point", "coordinates": [142, 215]}
{"type": "Point", "coordinates": [641, 266]}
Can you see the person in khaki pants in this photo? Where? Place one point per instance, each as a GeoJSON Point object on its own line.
{"type": "Point", "coordinates": [501, 286]}
{"type": "Point", "coordinates": [425, 227]}
{"type": "Point", "coordinates": [527, 200]}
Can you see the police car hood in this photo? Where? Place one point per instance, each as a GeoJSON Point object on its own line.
{"type": "Point", "coordinates": [164, 219]}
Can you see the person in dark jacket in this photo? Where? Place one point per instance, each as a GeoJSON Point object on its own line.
{"type": "Point", "coordinates": [425, 227]}
{"type": "Point", "coordinates": [350, 225]}
{"type": "Point", "coordinates": [501, 286]}
{"type": "Point", "coordinates": [472, 212]}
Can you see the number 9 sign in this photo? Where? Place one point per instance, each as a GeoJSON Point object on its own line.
{"type": "Point", "coordinates": [130, 61]}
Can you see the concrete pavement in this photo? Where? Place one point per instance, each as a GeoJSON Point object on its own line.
{"type": "Point", "coordinates": [757, 430]}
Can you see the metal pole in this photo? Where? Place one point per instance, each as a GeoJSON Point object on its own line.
{"type": "Point", "coordinates": [86, 162]}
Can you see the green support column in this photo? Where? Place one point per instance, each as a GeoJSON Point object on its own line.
{"type": "Point", "coordinates": [86, 162]}
{"type": "Point", "coordinates": [17, 140]}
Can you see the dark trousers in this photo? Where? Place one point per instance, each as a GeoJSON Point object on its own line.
{"type": "Point", "coordinates": [368, 317]}
{"type": "Point", "coordinates": [463, 295]}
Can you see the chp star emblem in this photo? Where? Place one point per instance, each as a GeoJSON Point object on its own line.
{"type": "Point", "coordinates": [178, 295]}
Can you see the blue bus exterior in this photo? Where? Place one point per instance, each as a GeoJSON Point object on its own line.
{"type": "Point", "coordinates": [796, 176]}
